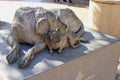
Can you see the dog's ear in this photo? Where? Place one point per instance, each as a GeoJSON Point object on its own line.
{"type": "Point", "coordinates": [42, 26]}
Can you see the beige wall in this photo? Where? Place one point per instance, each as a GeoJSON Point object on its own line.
{"type": "Point", "coordinates": [105, 17]}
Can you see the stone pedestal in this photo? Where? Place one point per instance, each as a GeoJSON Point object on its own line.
{"type": "Point", "coordinates": [98, 65]}
{"type": "Point", "coordinates": [104, 16]}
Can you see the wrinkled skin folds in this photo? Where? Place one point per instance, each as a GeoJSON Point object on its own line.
{"type": "Point", "coordinates": [32, 26]}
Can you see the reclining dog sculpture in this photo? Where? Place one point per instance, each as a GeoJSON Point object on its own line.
{"type": "Point", "coordinates": [62, 38]}
{"type": "Point", "coordinates": [32, 25]}
{"type": "Point", "coordinates": [68, 35]}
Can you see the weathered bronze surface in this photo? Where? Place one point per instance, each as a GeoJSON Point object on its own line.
{"type": "Point", "coordinates": [38, 27]}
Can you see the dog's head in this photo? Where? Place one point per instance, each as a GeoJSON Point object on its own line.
{"type": "Point", "coordinates": [54, 36]}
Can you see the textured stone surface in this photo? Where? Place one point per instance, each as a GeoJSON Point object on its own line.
{"type": "Point", "coordinates": [98, 65]}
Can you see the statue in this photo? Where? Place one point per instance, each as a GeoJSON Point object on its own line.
{"type": "Point", "coordinates": [36, 27]}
